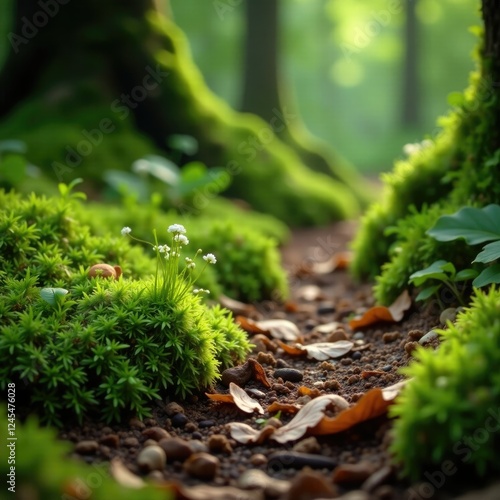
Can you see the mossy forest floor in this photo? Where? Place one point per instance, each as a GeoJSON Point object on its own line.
{"type": "Point", "coordinates": [316, 299]}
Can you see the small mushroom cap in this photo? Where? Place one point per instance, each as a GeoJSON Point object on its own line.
{"type": "Point", "coordinates": [105, 271]}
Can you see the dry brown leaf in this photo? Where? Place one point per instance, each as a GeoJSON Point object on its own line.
{"type": "Point", "coordinates": [305, 391]}
{"type": "Point", "coordinates": [249, 325]}
{"type": "Point", "coordinates": [308, 416]}
{"type": "Point", "coordinates": [327, 350]}
{"type": "Point", "coordinates": [243, 401]}
{"type": "Point", "coordinates": [124, 476]}
{"type": "Point", "coordinates": [236, 306]}
{"type": "Point", "coordinates": [245, 434]}
{"type": "Point", "coordinates": [293, 351]}
{"type": "Point", "coordinates": [259, 373]}
{"type": "Point", "coordinates": [221, 398]}
{"type": "Point", "coordinates": [392, 314]}
{"type": "Point", "coordinates": [337, 261]}
{"type": "Point", "coordinates": [283, 407]}
{"type": "Point", "coordinates": [180, 491]}
{"type": "Point", "coordinates": [371, 405]}
{"type": "Point", "coordinates": [281, 329]}
{"type": "Point", "coordinates": [327, 327]}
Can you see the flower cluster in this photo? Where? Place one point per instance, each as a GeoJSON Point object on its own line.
{"type": "Point", "coordinates": [169, 279]}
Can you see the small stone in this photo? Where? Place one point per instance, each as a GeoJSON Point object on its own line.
{"type": "Point", "coordinates": [353, 473]}
{"type": "Point", "coordinates": [358, 336]}
{"type": "Point", "coordinates": [448, 314]}
{"type": "Point", "coordinates": [255, 479]}
{"type": "Point", "coordinates": [346, 361]}
{"type": "Point", "coordinates": [218, 443]}
{"type": "Point", "coordinates": [331, 385]}
{"type": "Point", "coordinates": [197, 435]}
{"type": "Point", "coordinates": [325, 308]}
{"type": "Point", "coordinates": [415, 334]}
{"type": "Point", "coordinates": [326, 365]}
{"type": "Point", "coordinates": [353, 379]}
{"type": "Point", "coordinates": [111, 440]}
{"type": "Point", "coordinates": [281, 363]}
{"type": "Point", "coordinates": [173, 408]}
{"type": "Point", "coordinates": [149, 442]}
{"type": "Point", "coordinates": [131, 442]}
{"type": "Point", "coordinates": [203, 424]}
{"type": "Point", "coordinates": [190, 427]}
{"type": "Point", "coordinates": [179, 420]}
{"type": "Point", "coordinates": [308, 445]}
{"type": "Point", "coordinates": [280, 388]}
{"type": "Point", "coordinates": [239, 375]}
{"type": "Point", "coordinates": [310, 484]}
{"type": "Point", "coordinates": [258, 459]}
{"type": "Point", "coordinates": [87, 447]}
{"type": "Point", "coordinates": [155, 433]}
{"type": "Point", "coordinates": [198, 446]}
{"type": "Point", "coordinates": [266, 358]}
{"type": "Point", "coordinates": [256, 393]}
{"type": "Point", "coordinates": [295, 460]}
{"type": "Point", "coordinates": [390, 337]}
{"type": "Point", "coordinates": [387, 368]}
{"type": "Point", "coordinates": [135, 423]}
{"type": "Point", "coordinates": [152, 458]}
{"type": "Point", "coordinates": [176, 448]}
{"type": "Point", "coordinates": [337, 335]}
{"type": "Point", "coordinates": [428, 337]}
{"type": "Point", "coordinates": [289, 374]}
{"type": "Point", "coordinates": [356, 355]}
{"type": "Point", "coordinates": [202, 466]}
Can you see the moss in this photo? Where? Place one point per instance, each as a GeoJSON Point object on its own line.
{"type": "Point", "coordinates": [42, 468]}
{"type": "Point", "coordinates": [107, 347]}
{"type": "Point", "coordinates": [447, 412]}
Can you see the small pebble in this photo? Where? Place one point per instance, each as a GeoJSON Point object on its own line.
{"type": "Point", "coordinates": [266, 358]}
{"type": "Point", "coordinates": [415, 334]}
{"type": "Point", "coordinates": [353, 473]}
{"type": "Point", "coordinates": [203, 424]}
{"type": "Point", "coordinates": [428, 337]}
{"type": "Point", "coordinates": [258, 459]}
{"type": "Point", "coordinates": [346, 361]}
{"type": "Point", "coordinates": [152, 458]}
{"type": "Point", "coordinates": [387, 368]}
{"type": "Point", "coordinates": [256, 393]}
{"type": "Point", "coordinates": [111, 440]}
{"type": "Point", "coordinates": [337, 335]}
{"type": "Point", "coordinates": [179, 420]}
{"type": "Point", "coordinates": [281, 363]}
{"type": "Point", "coordinates": [353, 379]}
{"type": "Point", "coordinates": [325, 308]}
{"type": "Point", "coordinates": [239, 375]}
{"type": "Point", "coordinates": [155, 433]}
{"type": "Point", "coordinates": [356, 355]}
{"type": "Point", "coordinates": [87, 447]}
{"type": "Point", "coordinates": [308, 445]}
{"type": "Point", "coordinates": [197, 435]}
{"type": "Point", "coordinates": [198, 446]}
{"type": "Point", "coordinates": [280, 389]}
{"type": "Point", "coordinates": [131, 442]}
{"type": "Point", "coordinates": [390, 337]}
{"type": "Point", "coordinates": [289, 374]}
{"type": "Point", "coordinates": [135, 423]}
{"type": "Point", "coordinates": [310, 484]}
{"type": "Point", "coordinates": [253, 479]}
{"type": "Point", "coordinates": [410, 347]}
{"type": "Point", "coordinates": [202, 466]}
{"type": "Point", "coordinates": [358, 336]}
{"type": "Point", "coordinates": [294, 460]}
{"type": "Point", "coordinates": [176, 448]}
{"type": "Point", "coordinates": [448, 314]}
{"type": "Point", "coordinates": [218, 443]}
{"type": "Point", "coordinates": [173, 408]}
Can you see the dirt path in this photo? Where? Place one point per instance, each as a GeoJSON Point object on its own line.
{"type": "Point", "coordinates": [312, 470]}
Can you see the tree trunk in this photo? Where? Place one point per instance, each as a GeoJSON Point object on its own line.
{"type": "Point", "coordinates": [411, 104]}
{"type": "Point", "coordinates": [97, 85]}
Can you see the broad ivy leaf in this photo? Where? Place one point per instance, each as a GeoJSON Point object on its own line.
{"type": "Point", "coordinates": [427, 292]}
{"type": "Point", "coordinates": [490, 275]}
{"type": "Point", "coordinates": [466, 274]}
{"type": "Point", "coordinates": [474, 225]}
{"type": "Point", "coordinates": [436, 270]}
{"type": "Point", "coordinates": [490, 252]}
{"type": "Point", "coordinates": [51, 295]}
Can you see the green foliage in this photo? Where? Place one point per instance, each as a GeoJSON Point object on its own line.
{"type": "Point", "coordinates": [474, 226]}
{"type": "Point", "coordinates": [42, 468]}
{"type": "Point", "coordinates": [445, 273]}
{"type": "Point", "coordinates": [75, 345]}
{"type": "Point", "coordinates": [447, 412]}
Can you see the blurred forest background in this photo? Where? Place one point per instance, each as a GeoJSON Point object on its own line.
{"type": "Point", "coordinates": [366, 76]}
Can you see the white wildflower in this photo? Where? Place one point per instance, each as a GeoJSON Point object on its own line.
{"type": "Point", "coordinates": [126, 230]}
{"type": "Point", "coordinates": [190, 263]}
{"type": "Point", "coordinates": [177, 228]}
{"type": "Point", "coordinates": [210, 258]}
{"type": "Point", "coordinates": [197, 291]}
{"type": "Point", "coordinates": [162, 248]}
{"type": "Point", "coordinates": [181, 239]}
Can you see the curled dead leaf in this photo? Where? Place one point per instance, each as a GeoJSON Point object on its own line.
{"type": "Point", "coordinates": [124, 476]}
{"type": "Point", "coordinates": [249, 325]}
{"type": "Point", "coordinates": [281, 329]}
{"type": "Point", "coordinates": [372, 404]}
{"type": "Point", "coordinates": [391, 314]}
{"type": "Point", "coordinates": [220, 398]}
{"type": "Point", "coordinates": [337, 261]}
{"type": "Point", "coordinates": [283, 407]}
{"type": "Point", "coordinates": [245, 434]}
{"type": "Point", "coordinates": [319, 351]}
{"type": "Point", "coordinates": [259, 373]}
{"type": "Point", "coordinates": [238, 397]}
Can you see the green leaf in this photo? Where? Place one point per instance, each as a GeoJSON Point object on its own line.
{"type": "Point", "coordinates": [427, 292]}
{"type": "Point", "coordinates": [474, 225]}
{"type": "Point", "coordinates": [490, 252]}
{"type": "Point", "coordinates": [184, 143]}
{"type": "Point", "coordinates": [127, 183]}
{"type": "Point", "coordinates": [436, 270]}
{"type": "Point", "coordinates": [159, 167]}
{"type": "Point", "coordinates": [52, 295]}
{"type": "Point", "coordinates": [466, 274]}
{"type": "Point", "coordinates": [488, 276]}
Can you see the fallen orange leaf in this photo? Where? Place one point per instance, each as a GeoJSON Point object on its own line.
{"type": "Point", "coordinates": [259, 373]}
{"type": "Point", "coordinates": [248, 324]}
{"type": "Point", "coordinates": [239, 397]}
{"type": "Point", "coordinates": [221, 398]}
{"type": "Point", "coordinates": [339, 260]}
{"type": "Point", "coordinates": [283, 407]}
{"type": "Point", "coordinates": [392, 314]}
{"type": "Point", "coordinates": [293, 351]}
{"type": "Point", "coordinates": [305, 391]}
{"type": "Point", "coordinates": [372, 404]}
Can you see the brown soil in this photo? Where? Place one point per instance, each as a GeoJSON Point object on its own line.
{"type": "Point", "coordinates": [337, 297]}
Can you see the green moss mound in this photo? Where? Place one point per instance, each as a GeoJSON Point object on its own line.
{"type": "Point", "coordinates": [458, 168]}
{"type": "Point", "coordinates": [42, 468]}
{"type": "Point", "coordinates": [106, 347]}
{"type": "Point", "coordinates": [245, 243]}
{"type": "Point", "coordinates": [450, 410]}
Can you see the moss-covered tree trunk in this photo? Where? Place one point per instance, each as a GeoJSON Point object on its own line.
{"type": "Point", "coordinates": [95, 85]}
{"type": "Point", "coordinates": [458, 167]}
